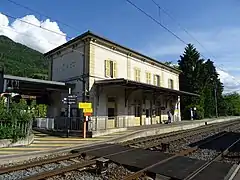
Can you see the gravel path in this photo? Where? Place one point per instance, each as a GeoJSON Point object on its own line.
{"type": "Point", "coordinates": [38, 169]}
{"type": "Point", "coordinates": [34, 159]}
{"type": "Point", "coordinates": [114, 172]}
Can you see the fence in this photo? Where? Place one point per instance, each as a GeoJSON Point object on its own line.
{"type": "Point", "coordinates": [96, 123]}
{"type": "Point", "coordinates": [59, 123]}
{"type": "Point", "coordinates": [20, 127]}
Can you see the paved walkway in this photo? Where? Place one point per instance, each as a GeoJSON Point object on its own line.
{"type": "Point", "coordinates": [44, 142]}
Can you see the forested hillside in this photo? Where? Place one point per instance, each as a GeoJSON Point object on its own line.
{"type": "Point", "coordinates": [20, 60]}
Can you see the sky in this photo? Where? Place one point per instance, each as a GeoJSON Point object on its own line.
{"type": "Point", "coordinates": [212, 26]}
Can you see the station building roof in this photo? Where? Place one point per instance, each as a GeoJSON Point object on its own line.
{"type": "Point", "coordinates": [134, 84]}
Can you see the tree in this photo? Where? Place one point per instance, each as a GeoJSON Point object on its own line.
{"type": "Point", "coordinates": [199, 76]}
{"type": "Point", "coordinates": [190, 78]}
{"type": "Point", "coordinates": [232, 102]}
{"type": "Point", "coordinates": [20, 60]}
{"type": "Point", "coordinates": [170, 63]}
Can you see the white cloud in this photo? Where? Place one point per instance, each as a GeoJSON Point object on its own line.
{"type": "Point", "coordinates": [230, 82]}
{"type": "Point", "coordinates": [220, 45]}
{"type": "Point", "coordinates": [30, 35]}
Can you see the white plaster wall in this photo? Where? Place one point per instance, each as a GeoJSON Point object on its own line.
{"type": "Point", "coordinates": [68, 64]}
{"type": "Point", "coordinates": [126, 65]}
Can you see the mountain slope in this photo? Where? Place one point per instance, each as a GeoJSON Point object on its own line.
{"type": "Point", "coordinates": [20, 60]}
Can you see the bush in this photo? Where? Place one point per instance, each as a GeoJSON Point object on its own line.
{"type": "Point", "coordinates": [199, 112]}
{"type": "Point", "coordinates": [12, 119]}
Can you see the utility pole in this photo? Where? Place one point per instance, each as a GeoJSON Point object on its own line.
{"type": "Point", "coordinates": [215, 96]}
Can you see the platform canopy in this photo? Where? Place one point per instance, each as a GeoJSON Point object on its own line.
{"type": "Point", "coordinates": [134, 84]}
{"type": "Point", "coordinates": [34, 87]}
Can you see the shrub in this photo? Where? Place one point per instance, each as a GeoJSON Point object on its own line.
{"type": "Point", "coordinates": [13, 120]}
{"type": "Point", "coordinates": [199, 112]}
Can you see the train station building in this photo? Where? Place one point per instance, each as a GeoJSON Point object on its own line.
{"type": "Point", "coordinates": [125, 87]}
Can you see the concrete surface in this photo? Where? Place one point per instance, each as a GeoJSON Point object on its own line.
{"type": "Point", "coordinates": [166, 128]}
{"type": "Point", "coordinates": [22, 142]}
{"type": "Point", "coordinates": [106, 132]}
{"type": "Point", "coordinates": [45, 144]}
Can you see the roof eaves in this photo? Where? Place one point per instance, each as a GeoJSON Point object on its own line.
{"type": "Point", "coordinates": [89, 33]}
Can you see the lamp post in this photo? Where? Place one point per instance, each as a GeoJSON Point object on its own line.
{"type": "Point", "coordinates": [215, 96]}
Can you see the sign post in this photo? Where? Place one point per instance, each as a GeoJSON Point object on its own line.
{"type": "Point", "coordinates": [69, 100]}
{"type": "Point", "coordinates": [87, 110]}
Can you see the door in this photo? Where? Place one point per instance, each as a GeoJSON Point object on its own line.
{"type": "Point", "coordinates": [111, 112]}
{"type": "Point", "coordinates": [148, 115]}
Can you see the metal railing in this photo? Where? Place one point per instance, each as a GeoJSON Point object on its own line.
{"type": "Point", "coordinates": [96, 123]}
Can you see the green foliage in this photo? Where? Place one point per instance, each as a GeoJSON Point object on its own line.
{"type": "Point", "coordinates": [170, 63]}
{"type": "Point", "coordinates": [19, 60]}
{"type": "Point", "coordinates": [13, 120]}
{"type": "Point", "coordinates": [232, 104]}
{"type": "Point", "coordinates": [199, 111]}
{"type": "Point", "coordinates": [199, 76]}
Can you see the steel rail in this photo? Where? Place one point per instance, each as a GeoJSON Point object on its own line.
{"type": "Point", "coordinates": [186, 135]}
{"type": "Point", "coordinates": [140, 173]}
{"type": "Point", "coordinates": [204, 166]}
{"type": "Point", "coordinates": [62, 170]}
{"type": "Point", "coordinates": [181, 132]}
{"type": "Point", "coordinates": [5, 170]}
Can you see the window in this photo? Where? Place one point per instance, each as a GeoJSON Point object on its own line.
{"type": "Point", "coordinates": [156, 79]}
{"type": "Point", "coordinates": [110, 69]}
{"type": "Point", "coordinates": [148, 77]}
{"type": "Point", "coordinates": [137, 73]}
{"type": "Point", "coordinates": [170, 83]}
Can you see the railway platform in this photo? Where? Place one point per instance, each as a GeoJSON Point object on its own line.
{"type": "Point", "coordinates": [44, 143]}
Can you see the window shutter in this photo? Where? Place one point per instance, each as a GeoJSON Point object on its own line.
{"type": "Point", "coordinates": [155, 80]}
{"type": "Point", "coordinates": [169, 83]}
{"type": "Point", "coordinates": [107, 68]}
{"type": "Point", "coordinates": [159, 81]}
{"type": "Point", "coordinates": [114, 69]}
{"type": "Point", "coordinates": [135, 74]}
{"type": "Point", "coordinates": [146, 77]}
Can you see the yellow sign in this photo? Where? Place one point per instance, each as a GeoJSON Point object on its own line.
{"type": "Point", "coordinates": [88, 110]}
{"type": "Point", "coordinates": [84, 105]}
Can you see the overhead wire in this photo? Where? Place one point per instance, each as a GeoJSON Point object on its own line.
{"type": "Point", "coordinates": [133, 4]}
{"type": "Point", "coordinates": [42, 14]}
{"type": "Point", "coordinates": [174, 34]}
{"type": "Point", "coordinates": [189, 34]}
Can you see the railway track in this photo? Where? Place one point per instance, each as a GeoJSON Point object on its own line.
{"type": "Point", "coordinates": [153, 140]}
{"type": "Point", "coordinates": [204, 171]}
{"type": "Point", "coordinates": [85, 159]}
{"type": "Point", "coordinates": [174, 143]}
{"type": "Point", "coordinates": [73, 159]}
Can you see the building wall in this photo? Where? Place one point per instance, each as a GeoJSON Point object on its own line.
{"type": "Point", "coordinates": [68, 63]}
{"type": "Point", "coordinates": [67, 66]}
{"type": "Point", "coordinates": [125, 66]}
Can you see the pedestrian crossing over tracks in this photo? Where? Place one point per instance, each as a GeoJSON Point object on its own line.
{"type": "Point", "coordinates": [45, 142]}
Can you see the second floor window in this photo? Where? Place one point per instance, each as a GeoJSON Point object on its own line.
{"type": "Point", "coordinates": [170, 83]}
{"type": "Point", "coordinates": [156, 80]}
{"type": "Point", "coordinates": [110, 69]}
{"type": "Point", "coordinates": [148, 77]}
{"type": "Point", "coordinates": [137, 73]}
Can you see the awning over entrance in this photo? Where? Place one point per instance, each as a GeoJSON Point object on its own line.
{"type": "Point", "coordinates": [133, 84]}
